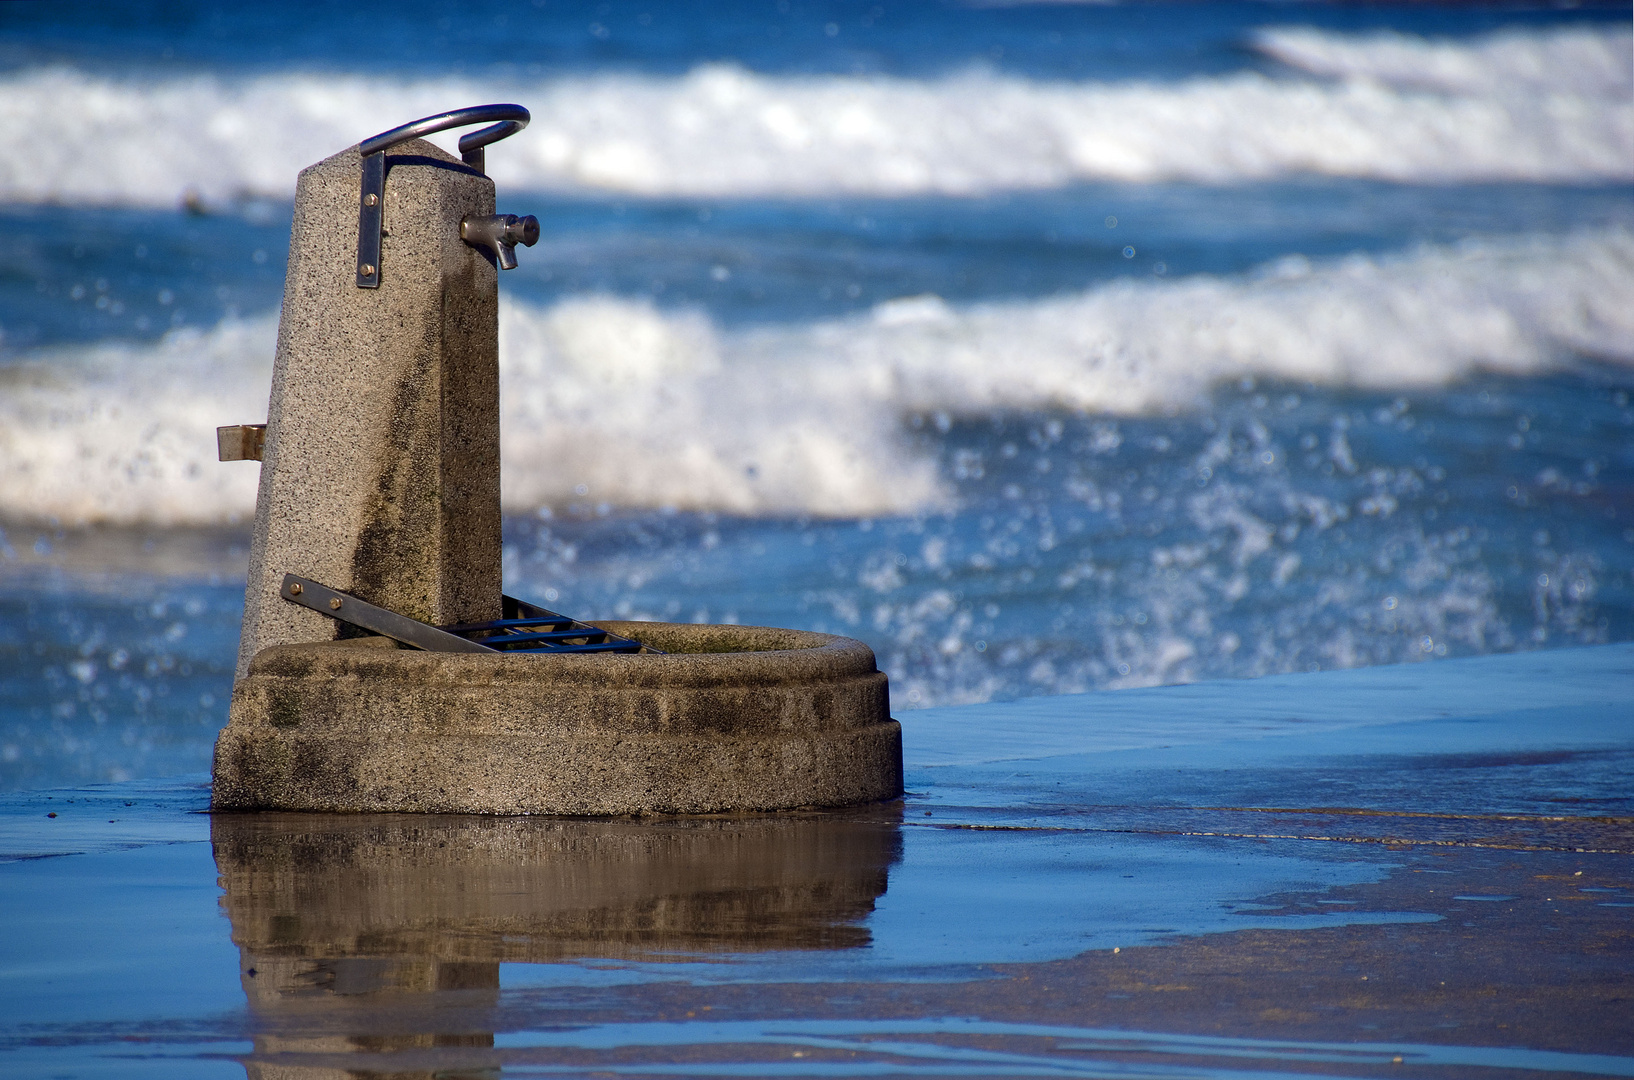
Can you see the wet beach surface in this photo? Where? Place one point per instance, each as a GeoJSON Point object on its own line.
{"type": "Point", "coordinates": [1420, 869]}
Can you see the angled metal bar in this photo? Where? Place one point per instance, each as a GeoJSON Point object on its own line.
{"type": "Point", "coordinates": [347, 608]}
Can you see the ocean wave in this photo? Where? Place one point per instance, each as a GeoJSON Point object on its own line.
{"type": "Point", "coordinates": [612, 400]}
{"type": "Point", "coordinates": [1579, 61]}
{"type": "Point", "coordinates": [1549, 106]}
{"type": "Point", "coordinates": [121, 433]}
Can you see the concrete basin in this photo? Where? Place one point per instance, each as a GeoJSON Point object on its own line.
{"type": "Point", "coordinates": [727, 718]}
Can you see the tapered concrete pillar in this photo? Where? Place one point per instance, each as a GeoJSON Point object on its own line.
{"type": "Point", "coordinates": [380, 473]}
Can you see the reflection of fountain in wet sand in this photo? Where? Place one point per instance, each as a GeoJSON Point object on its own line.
{"type": "Point", "coordinates": [347, 925]}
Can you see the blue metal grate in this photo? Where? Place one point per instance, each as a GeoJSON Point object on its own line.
{"type": "Point", "coordinates": [528, 628]}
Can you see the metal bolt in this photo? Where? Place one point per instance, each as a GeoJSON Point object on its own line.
{"type": "Point", "coordinates": [370, 199]}
{"type": "Point", "coordinates": [295, 589]}
{"type": "Point", "coordinates": [334, 603]}
{"type": "Point", "coordinates": [367, 270]}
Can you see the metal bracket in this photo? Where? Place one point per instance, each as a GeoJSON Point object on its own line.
{"type": "Point", "coordinates": [371, 200]}
{"type": "Point", "coordinates": [349, 609]}
{"type": "Point", "coordinates": [241, 442]}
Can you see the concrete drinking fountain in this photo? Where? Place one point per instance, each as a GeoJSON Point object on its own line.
{"type": "Point", "coordinates": [381, 667]}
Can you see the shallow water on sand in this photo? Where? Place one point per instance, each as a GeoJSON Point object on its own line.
{"type": "Point", "coordinates": [1412, 868]}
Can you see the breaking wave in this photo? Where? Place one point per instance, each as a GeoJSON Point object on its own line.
{"type": "Point", "coordinates": [1551, 106]}
{"type": "Point", "coordinates": [1580, 62]}
{"type": "Point", "coordinates": [619, 401]}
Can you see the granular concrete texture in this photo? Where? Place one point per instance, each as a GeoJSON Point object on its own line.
{"type": "Point", "coordinates": [729, 718]}
{"type": "Point", "coordinates": [381, 469]}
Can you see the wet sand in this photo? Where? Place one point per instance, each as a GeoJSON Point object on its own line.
{"type": "Point", "coordinates": [1423, 870]}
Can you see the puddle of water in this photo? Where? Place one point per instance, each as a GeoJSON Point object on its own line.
{"type": "Point", "coordinates": [907, 1047]}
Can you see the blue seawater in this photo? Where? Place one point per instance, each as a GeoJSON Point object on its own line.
{"type": "Point", "coordinates": [1045, 347]}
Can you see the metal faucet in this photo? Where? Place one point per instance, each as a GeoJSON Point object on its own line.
{"type": "Point", "coordinates": [499, 234]}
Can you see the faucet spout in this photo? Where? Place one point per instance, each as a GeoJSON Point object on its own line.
{"type": "Point", "coordinates": [498, 234]}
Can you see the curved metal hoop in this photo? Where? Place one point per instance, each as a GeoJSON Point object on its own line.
{"type": "Point", "coordinates": [511, 119]}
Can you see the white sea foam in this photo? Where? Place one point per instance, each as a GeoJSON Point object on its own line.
{"type": "Point", "coordinates": [1549, 105]}
{"type": "Point", "coordinates": [126, 433]}
{"type": "Point", "coordinates": [1581, 62]}
{"type": "Point", "coordinates": [609, 399]}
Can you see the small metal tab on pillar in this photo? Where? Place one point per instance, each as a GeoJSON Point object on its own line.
{"type": "Point", "coordinates": [241, 442]}
{"type": "Point", "coordinates": [372, 197]}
